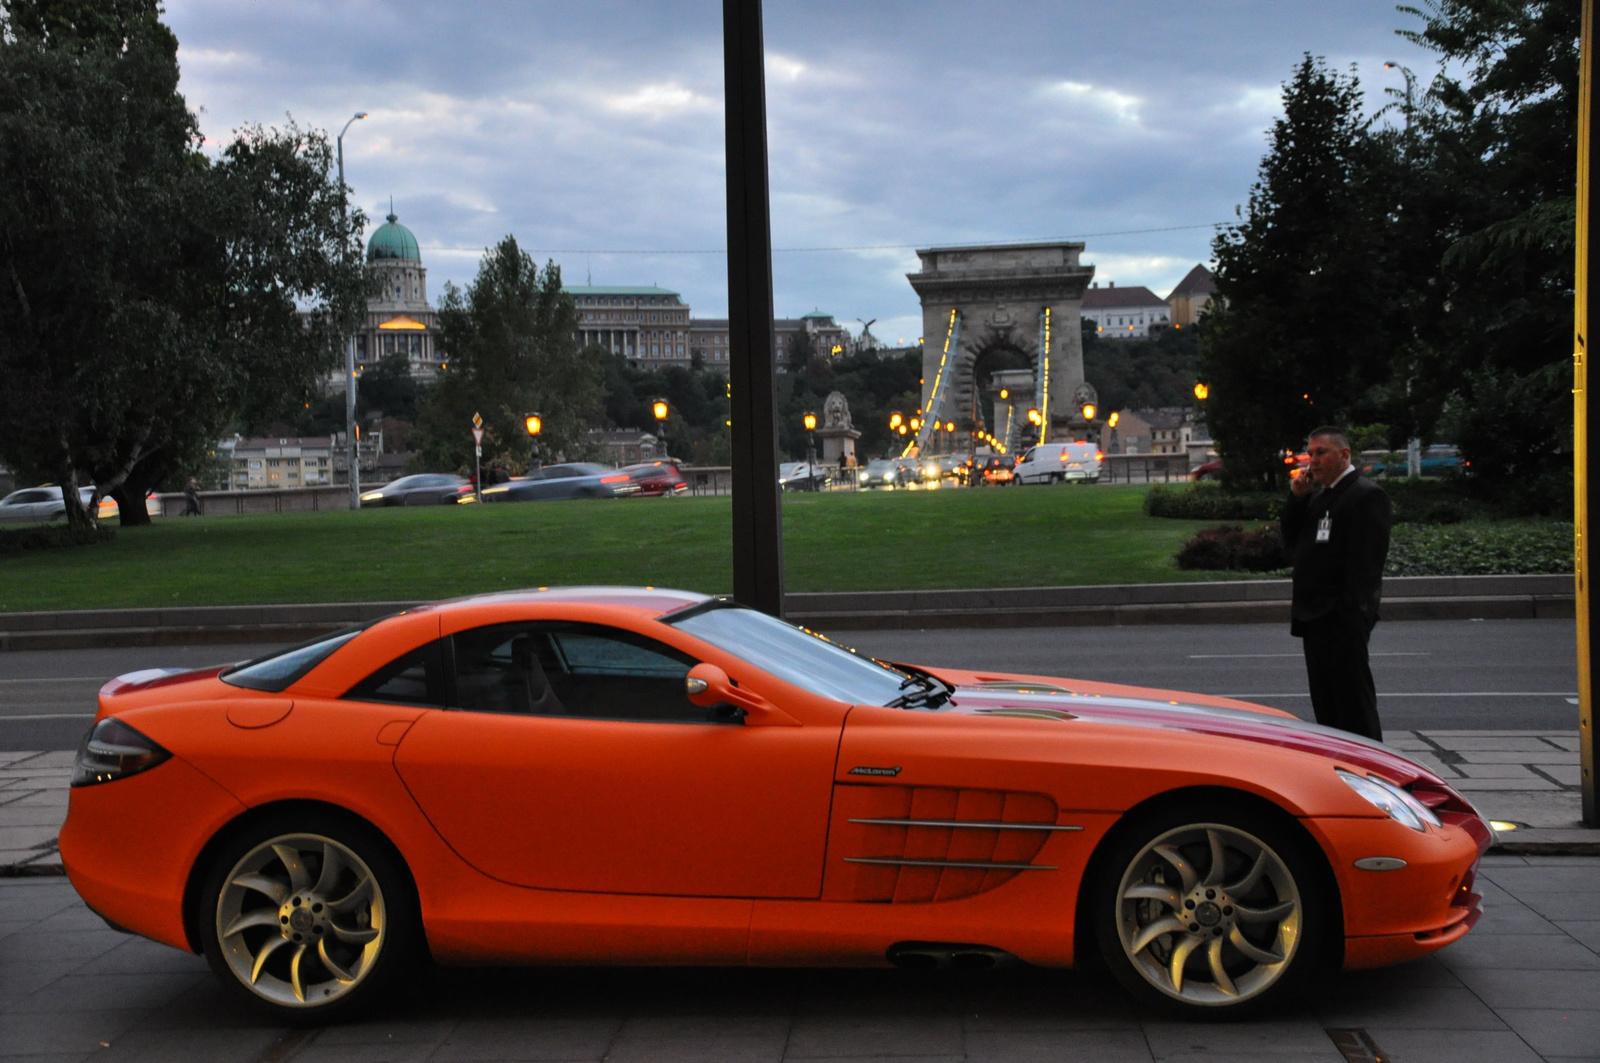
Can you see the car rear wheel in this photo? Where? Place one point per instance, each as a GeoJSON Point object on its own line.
{"type": "Point", "coordinates": [1210, 915]}
{"type": "Point", "coordinates": [309, 917]}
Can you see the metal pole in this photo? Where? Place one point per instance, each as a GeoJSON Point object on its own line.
{"type": "Point", "coordinates": [1586, 416]}
{"type": "Point", "coordinates": [757, 514]}
{"type": "Point", "coordinates": [349, 351]}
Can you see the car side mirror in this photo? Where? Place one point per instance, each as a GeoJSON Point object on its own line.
{"type": "Point", "coordinates": [709, 687]}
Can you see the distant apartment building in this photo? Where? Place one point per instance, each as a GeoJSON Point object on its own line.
{"type": "Point", "coordinates": [1192, 297]}
{"type": "Point", "coordinates": [1124, 313]}
{"type": "Point", "coordinates": [278, 463]}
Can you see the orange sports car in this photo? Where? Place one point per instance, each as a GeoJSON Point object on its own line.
{"type": "Point", "coordinates": [645, 776]}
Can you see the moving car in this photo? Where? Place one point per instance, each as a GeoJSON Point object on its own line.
{"type": "Point", "coordinates": [648, 776]}
{"type": "Point", "coordinates": [422, 489]}
{"type": "Point", "coordinates": [992, 470]}
{"type": "Point", "coordinates": [803, 476]}
{"type": "Point", "coordinates": [941, 467]}
{"type": "Point", "coordinates": [889, 473]}
{"type": "Point", "coordinates": [1054, 463]}
{"type": "Point", "coordinates": [578, 479]}
{"type": "Point", "coordinates": [45, 503]}
{"type": "Point", "coordinates": [656, 479]}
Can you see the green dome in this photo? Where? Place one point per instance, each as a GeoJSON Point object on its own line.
{"type": "Point", "coordinates": [393, 240]}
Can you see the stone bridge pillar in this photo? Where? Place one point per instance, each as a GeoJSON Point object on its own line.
{"type": "Point", "coordinates": [1000, 293]}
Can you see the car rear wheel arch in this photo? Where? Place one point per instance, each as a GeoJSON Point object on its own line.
{"type": "Point", "coordinates": [254, 820]}
{"type": "Point", "coordinates": [1212, 799]}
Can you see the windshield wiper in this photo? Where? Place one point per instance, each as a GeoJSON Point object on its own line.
{"type": "Point", "coordinates": [930, 691]}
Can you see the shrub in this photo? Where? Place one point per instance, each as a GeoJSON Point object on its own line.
{"type": "Point", "coordinates": [51, 536]}
{"type": "Point", "coordinates": [1229, 546]}
{"type": "Point", "coordinates": [1208, 501]}
{"type": "Point", "coordinates": [1478, 549]}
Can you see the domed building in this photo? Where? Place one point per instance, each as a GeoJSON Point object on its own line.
{"type": "Point", "coordinates": [400, 320]}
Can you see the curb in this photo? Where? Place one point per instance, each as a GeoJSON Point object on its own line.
{"type": "Point", "coordinates": [1219, 602]}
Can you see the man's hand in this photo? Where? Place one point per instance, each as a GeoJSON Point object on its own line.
{"type": "Point", "coordinates": [1301, 485]}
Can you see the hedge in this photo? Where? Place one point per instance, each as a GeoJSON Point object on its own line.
{"type": "Point", "coordinates": [1207, 501]}
{"type": "Point", "coordinates": [1480, 549]}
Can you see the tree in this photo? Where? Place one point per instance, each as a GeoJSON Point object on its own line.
{"type": "Point", "coordinates": [1301, 333]}
{"type": "Point", "coordinates": [151, 296]}
{"type": "Point", "coordinates": [510, 342]}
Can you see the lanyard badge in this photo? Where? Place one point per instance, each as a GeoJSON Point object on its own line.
{"type": "Point", "coordinates": [1324, 527]}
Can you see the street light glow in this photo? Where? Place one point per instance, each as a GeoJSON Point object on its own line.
{"type": "Point", "coordinates": [1202, 392]}
{"type": "Point", "coordinates": [533, 424]}
{"type": "Point", "coordinates": [659, 408]}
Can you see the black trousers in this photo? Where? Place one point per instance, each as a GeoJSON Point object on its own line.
{"type": "Point", "coordinates": [1342, 692]}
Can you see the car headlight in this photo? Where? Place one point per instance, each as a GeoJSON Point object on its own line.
{"type": "Point", "coordinates": [1399, 805]}
{"type": "Point", "coordinates": [495, 490]}
{"type": "Point", "coordinates": [372, 496]}
{"type": "Point", "coordinates": [113, 750]}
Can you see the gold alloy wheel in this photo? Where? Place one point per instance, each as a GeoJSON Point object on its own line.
{"type": "Point", "coordinates": [1209, 915]}
{"type": "Point", "coordinates": [301, 920]}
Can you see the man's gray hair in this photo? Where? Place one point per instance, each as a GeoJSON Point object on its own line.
{"type": "Point", "coordinates": [1332, 432]}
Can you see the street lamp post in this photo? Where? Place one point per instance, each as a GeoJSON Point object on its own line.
{"type": "Point", "coordinates": [534, 424]}
{"type": "Point", "coordinates": [350, 348]}
{"type": "Point", "coordinates": [660, 410]}
{"type": "Point", "coordinates": [811, 444]}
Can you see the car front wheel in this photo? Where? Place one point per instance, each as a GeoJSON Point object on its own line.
{"type": "Point", "coordinates": [1211, 915]}
{"type": "Point", "coordinates": [309, 918]}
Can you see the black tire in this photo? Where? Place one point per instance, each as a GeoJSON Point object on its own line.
{"type": "Point", "coordinates": [1269, 866]}
{"type": "Point", "coordinates": [365, 904]}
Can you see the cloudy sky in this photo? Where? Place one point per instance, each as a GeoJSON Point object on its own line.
{"type": "Point", "coordinates": [592, 131]}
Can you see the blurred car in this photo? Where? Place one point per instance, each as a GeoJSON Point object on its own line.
{"type": "Point", "coordinates": [803, 476]}
{"type": "Point", "coordinates": [1054, 463]}
{"type": "Point", "coordinates": [992, 470]}
{"type": "Point", "coordinates": [1437, 460]}
{"type": "Point", "coordinates": [1211, 470]}
{"type": "Point", "coordinates": [422, 489]}
{"type": "Point", "coordinates": [577, 479]}
{"type": "Point", "coordinates": [623, 775]}
{"type": "Point", "coordinates": [657, 479]}
{"type": "Point", "coordinates": [32, 504]}
{"type": "Point", "coordinates": [941, 467]}
{"type": "Point", "coordinates": [889, 473]}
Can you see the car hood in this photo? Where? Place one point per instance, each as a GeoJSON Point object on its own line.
{"type": "Point", "coordinates": [1132, 707]}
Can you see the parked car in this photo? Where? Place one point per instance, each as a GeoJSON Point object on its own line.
{"type": "Point", "coordinates": [1211, 470]}
{"type": "Point", "coordinates": [889, 473]}
{"type": "Point", "coordinates": [1054, 463]}
{"type": "Point", "coordinates": [422, 489]}
{"type": "Point", "coordinates": [578, 479]}
{"type": "Point", "coordinates": [645, 776]}
{"type": "Point", "coordinates": [657, 479]}
{"type": "Point", "coordinates": [803, 476]}
{"type": "Point", "coordinates": [38, 504]}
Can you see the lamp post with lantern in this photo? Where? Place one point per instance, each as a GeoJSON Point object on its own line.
{"type": "Point", "coordinates": [659, 409]}
{"type": "Point", "coordinates": [811, 444]}
{"type": "Point", "coordinates": [533, 424]}
{"type": "Point", "coordinates": [351, 443]}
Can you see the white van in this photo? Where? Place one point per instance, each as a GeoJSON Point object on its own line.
{"type": "Point", "coordinates": [1054, 463]}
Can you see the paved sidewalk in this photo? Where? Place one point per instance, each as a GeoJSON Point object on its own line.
{"type": "Point", "coordinates": [1523, 986]}
{"type": "Point", "coordinates": [1526, 778]}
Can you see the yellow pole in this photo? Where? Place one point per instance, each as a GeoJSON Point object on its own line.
{"type": "Point", "coordinates": [1580, 421]}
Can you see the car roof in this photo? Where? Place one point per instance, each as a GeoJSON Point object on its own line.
{"type": "Point", "coordinates": [655, 600]}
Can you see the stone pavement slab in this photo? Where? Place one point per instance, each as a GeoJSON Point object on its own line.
{"type": "Point", "coordinates": [1523, 986]}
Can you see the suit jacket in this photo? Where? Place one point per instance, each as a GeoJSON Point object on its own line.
{"type": "Point", "coordinates": [1344, 574]}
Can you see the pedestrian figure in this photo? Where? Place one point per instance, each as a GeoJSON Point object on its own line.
{"type": "Point", "coordinates": [191, 498]}
{"type": "Point", "coordinates": [1339, 538]}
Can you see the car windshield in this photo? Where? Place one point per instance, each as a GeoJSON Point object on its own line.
{"type": "Point", "coordinates": [277, 671]}
{"type": "Point", "coordinates": [809, 662]}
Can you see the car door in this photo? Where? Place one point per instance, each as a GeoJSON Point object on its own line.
{"type": "Point", "coordinates": [572, 759]}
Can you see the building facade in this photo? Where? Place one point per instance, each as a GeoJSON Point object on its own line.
{"type": "Point", "coordinates": [647, 325]}
{"type": "Point", "coordinates": [399, 320]}
{"type": "Point", "coordinates": [1125, 313]}
{"type": "Point", "coordinates": [279, 463]}
{"type": "Point", "coordinates": [1192, 297]}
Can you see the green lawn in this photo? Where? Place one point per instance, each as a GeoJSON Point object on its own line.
{"type": "Point", "coordinates": [989, 537]}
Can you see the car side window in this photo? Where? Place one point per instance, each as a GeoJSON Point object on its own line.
{"type": "Point", "coordinates": [417, 678]}
{"type": "Point", "coordinates": [562, 669]}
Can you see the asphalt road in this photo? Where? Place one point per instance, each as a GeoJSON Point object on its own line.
{"type": "Point", "coordinates": [1445, 675]}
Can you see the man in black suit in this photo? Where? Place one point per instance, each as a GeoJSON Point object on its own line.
{"type": "Point", "coordinates": [1339, 537]}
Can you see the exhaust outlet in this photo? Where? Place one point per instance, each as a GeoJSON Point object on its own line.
{"type": "Point", "coordinates": [947, 956]}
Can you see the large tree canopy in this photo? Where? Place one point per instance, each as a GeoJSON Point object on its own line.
{"type": "Point", "coordinates": [1417, 272]}
{"type": "Point", "coordinates": [150, 296]}
{"type": "Point", "coordinates": [511, 346]}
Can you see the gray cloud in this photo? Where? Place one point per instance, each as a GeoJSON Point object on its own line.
{"type": "Point", "coordinates": [598, 126]}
